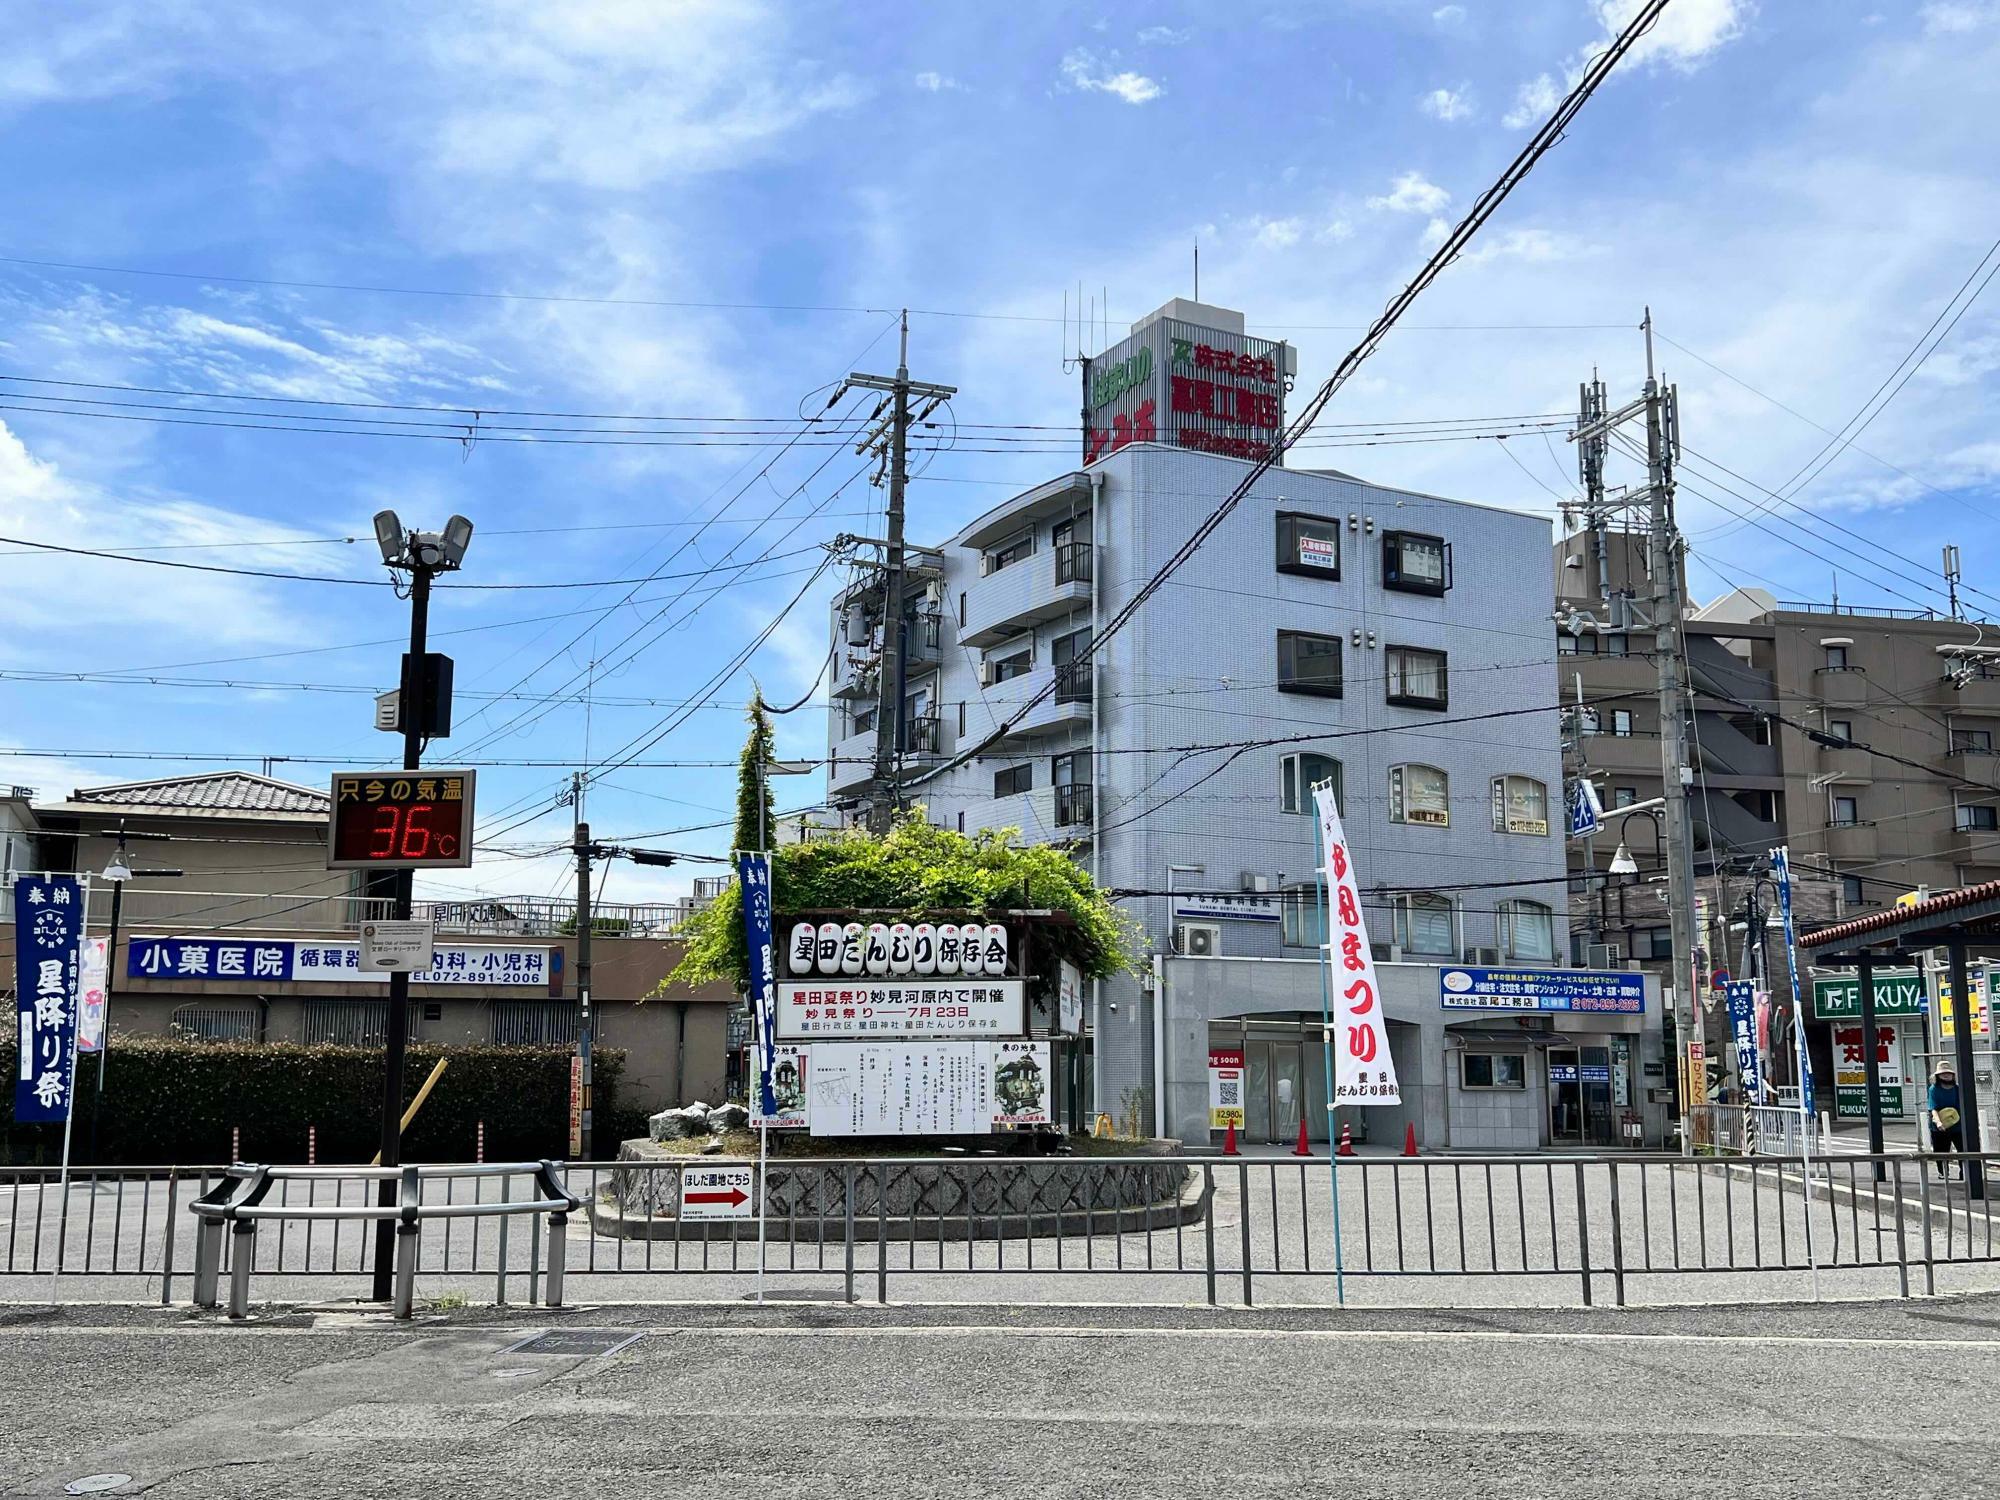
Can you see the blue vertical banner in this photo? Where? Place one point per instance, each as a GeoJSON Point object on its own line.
{"type": "Point", "coordinates": [1741, 997]}
{"type": "Point", "coordinates": [1781, 866]}
{"type": "Point", "coordinates": [48, 946]}
{"type": "Point", "coordinates": [753, 874]}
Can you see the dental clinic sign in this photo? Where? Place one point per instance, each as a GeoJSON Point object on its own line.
{"type": "Point", "coordinates": [1190, 385]}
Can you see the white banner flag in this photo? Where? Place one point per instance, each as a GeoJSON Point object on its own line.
{"type": "Point", "coordinates": [1363, 1070]}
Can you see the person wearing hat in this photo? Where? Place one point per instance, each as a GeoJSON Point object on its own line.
{"type": "Point", "coordinates": [1947, 1132]}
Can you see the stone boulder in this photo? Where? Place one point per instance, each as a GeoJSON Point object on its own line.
{"type": "Point", "coordinates": [675, 1124]}
{"type": "Point", "coordinates": [728, 1117]}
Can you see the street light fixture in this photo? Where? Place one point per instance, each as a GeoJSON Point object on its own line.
{"type": "Point", "coordinates": [1622, 862]}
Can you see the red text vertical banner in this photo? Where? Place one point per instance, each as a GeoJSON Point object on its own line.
{"type": "Point", "coordinates": [1363, 1070]}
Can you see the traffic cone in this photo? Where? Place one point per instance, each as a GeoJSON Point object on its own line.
{"type": "Point", "coordinates": [1303, 1148]}
{"type": "Point", "coordinates": [1229, 1140]}
{"type": "Point", "coordinates": [1346, 1139]}
{"type": "Point", "coordinates": [1410, 1139]}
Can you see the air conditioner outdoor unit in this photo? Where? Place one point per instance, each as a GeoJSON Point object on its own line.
{"type": "Point", "coordinates": [1255, 882]}
{"type": "Point", "coordinates": [1602, 955]}
{"type": "Point", "coordinates": [986, 674]}
{"type": "Point", "coordinates": [1487, 957]}
{"type": "Point", "coordinates": [1198, 939]}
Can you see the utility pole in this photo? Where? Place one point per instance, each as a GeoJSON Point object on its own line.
{"type": "Point", "coordinates": [890, 730]}
{"type": "Point", "coordinates": [580, 1146]}
{"type": "Point", "coordinates": [1663, 611]}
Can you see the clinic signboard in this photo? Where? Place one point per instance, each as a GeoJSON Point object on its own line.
{"type": "Point", "coordinates": [1573, 991]}
{"type": "Point", "coordinates": [311, 961]}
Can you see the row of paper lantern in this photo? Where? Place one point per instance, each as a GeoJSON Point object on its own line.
{"type": "Point", "coordinates": [899, 948]}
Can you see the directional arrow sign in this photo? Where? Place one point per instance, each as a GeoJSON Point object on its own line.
{"type": "Point", "coordinates": [718, 1191]}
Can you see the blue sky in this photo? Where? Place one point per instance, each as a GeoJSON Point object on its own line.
{"type": "Point", "coordinates": [1795, 189]}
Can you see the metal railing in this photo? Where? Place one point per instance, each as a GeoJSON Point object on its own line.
{"type": "Point", "coordinates": [240, 1202]}
{"type": "Point", "coordinates": [1021, 1229]}
{"type": "Point", "coordinates": [1073, 561]}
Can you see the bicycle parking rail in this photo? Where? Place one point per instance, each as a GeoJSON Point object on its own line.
{"type": "Point", "coordinates": [238, 1201]}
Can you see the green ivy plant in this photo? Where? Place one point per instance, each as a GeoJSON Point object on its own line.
{"type": "Point", "coordinates": [925, 872]}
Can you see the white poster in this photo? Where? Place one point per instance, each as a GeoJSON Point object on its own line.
{"type": "Point", "coordinates": [1069, 999]}
{"type": "Point", "coordinates": [788, 1091]}
{"type": "Point", "coordinates": [1020, 1082]}
{"type": "Point", "coordinates": [813, 1008]}
{"type": "Point", "coordinates": [901, 1088]}
{"type": "Point", "coordinates": [1363, 1070]}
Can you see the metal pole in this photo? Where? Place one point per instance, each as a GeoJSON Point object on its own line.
{"type": "Point", "coordinates": [397, 1040]}
{"type": "Point", "coordinates": [1675, 766]}
{"type": "Point", "coordinates": [1872, 1073]}
{"type": "Point", "coordinates": [584, 1021]}
{"type": "Point", "coordinates": [1968, 1088]}
{"type": "Point", "coordinates": [110, 979]}
{"type": "Point", "coordinates": [1326, 1052]}
{"type": "Point", "coordinates": [889, 703]}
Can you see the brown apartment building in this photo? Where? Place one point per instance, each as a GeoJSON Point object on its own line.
{"type": "Point", "coordinates": [1863, 739]}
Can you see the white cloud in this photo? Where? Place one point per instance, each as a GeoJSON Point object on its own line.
{"type": "Point", "coordinates": [1532, 103]}
{"type": "Point", "coordinates": [1333, 232]}
{"type": "Point", "coordinates": [1434, 234]}
{"type": "Point", "coordinates": [936, 83]}
{"type": "Point", "coordinates": [1449, 105]}
{"type": "Point", "coordinates": [1685, 33]}
{"type": "Point", "coordinates": [1449, 15]}
{"type": "Point", "coordinates": [1166, 36]}
{"type": "Point", "coordinates": [1956, 17]}
{"type": "Point", "coordinates": [1278, 234]}
{"type": "Point", "coordinates": [1412, 193]}
{"type": "Point", "coordinates": [1535, 246]}
{"type": "Point", "coordinates": [1081, 71]}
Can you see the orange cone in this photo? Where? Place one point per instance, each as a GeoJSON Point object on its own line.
{"type": "Point", "coordinates": [1410, 1139]}
{"type": "Point", "coordinates": [1229, 1140]}
{"type": "Point", "coordinates": [1346, 1139]}
{"type": "Point", "coordinates": [1303, 1148]}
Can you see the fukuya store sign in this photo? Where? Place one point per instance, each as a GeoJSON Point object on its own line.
{"type": "Point", "coordinates": [1188, 386]}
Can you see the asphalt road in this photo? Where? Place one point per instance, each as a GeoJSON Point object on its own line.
{"type": "Point", "coordinates": [803, 1402]}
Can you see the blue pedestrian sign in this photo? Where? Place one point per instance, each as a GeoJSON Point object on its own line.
{"type": "Point", "coordinates": [1586, 813]}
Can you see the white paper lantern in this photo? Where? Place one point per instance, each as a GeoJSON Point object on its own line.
{"type": "Point", "coordinates": [875, 949]}
{"type": "Point", "coordinates": [923, 948]}
{"type": "Point", "coordinates": [995, 956]}
{"type": "Point", "coordinates": [971, 951]}
{"type": "Point", "coordinates": [804, 949]}
{"type": "Point", "coordinates": [828, 955]}
{"type": "Point", "coordinates": [899, 948]}
{"type": "Point", "coordinates": [948, 953]}
{"type": "Point", "coordinates": [851, 938]}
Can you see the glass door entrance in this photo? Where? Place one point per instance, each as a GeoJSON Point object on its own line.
{"type": "Point", "coordinates": [1580, 1096]}
{"type": "Point", "coordinates": [1274, 1090]}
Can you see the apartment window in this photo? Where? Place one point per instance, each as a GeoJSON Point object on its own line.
{"type": "Point", "coordinates": [1836, 658]}
{"type": "Point", "coordinates": [1308, 663]}
{"type": "Point", "coordinates": [533, 1023]}
{"type": "Point", "coordinates": [1308, 545]}
{"type": "Point", "coordinates": [1621, 796]}
{"type": "Point", "coordinates": [1621, 723]}
{"type": "Point", "coordinates": [1424, 924]}
{"type": "Point", "coordinates": [1005, 667]}
{"type": "Point", "coordinates": [1851, 893]}
{"type": "Point", "coordinates": [1072, 679]}
{"type": "Point", "coordinates": [345, 1023]}
{"type": "Point", "coordinates": [1493, 1070]}
{"type": "Point", "coordinates": [1071, 544]}
{"type": "Point", "coordinates": [1614, 645]}
{"type": "Point", "coordinates": [1978, 819]}
{"type": "Point", "coordinates": [1976, 741]}
{"type": "Point", "coordinates": [1011, 552]}
{"type": "Point", "coordinates": [1416, 677]}
{"type": "Point", "coordinates": [1845, 812]}
{"type": "Point", "coordinates": [1014, 779]}
{"type": "Point", "coordinates": [1302, 917]}
{"type": "Point", "coordinates": [216, 1023]}
{"type": "Point", "coordinates": [1070, 776]}
{"type": "Point", "coordinates": [1299, 774]}
{"type": "Point", "coordinates": [1840, 729]}
{"type": "Point", "coordinates": [1520, 805]}
{"type": "Point", "coordinates": [1527, 930]}
{"type": "Point", "coordinates": [1419, 794]}
{"type": "Point", "coordinates": [864, 720]}
{"type": "Point", "coordinates": [961, 820]}
{"type": "Point", "coordinates": [961, 721]}
{"type": "Point", "coordinates": [1653, 942]}
{"type": "Point", "coordinates": [961, 609]}
{"type": "Point", "coordinates": [1415, 563]}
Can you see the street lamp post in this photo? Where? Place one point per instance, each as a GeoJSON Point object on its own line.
{"type": "Point", "coordinates": [118, 872]}
{"type": "Point", "coordinates": [423, 555]}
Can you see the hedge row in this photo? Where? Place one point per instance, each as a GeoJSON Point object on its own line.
{"type": "Point", "coordinates": [168, 1100]}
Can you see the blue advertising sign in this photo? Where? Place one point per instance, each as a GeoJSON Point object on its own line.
{"type": "Point", "coordinates": [1741, 997]}
{"type": "Point", "coordinates": [1781, 866]}
{"type": "Point", "coordinates": [1607, 992]}
{"type": "Point", "coordinates": [48, 946]}
{"type": "Point", "coordinates": [753, 873]}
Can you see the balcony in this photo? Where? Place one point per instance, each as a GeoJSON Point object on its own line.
{"type": "Point", "coordinates": [1847, 842]}
{"type": "Point", "coordinates": [923, 642]}
{"type": "Point", "coordinates": [852, 763]}
{"type": "Point", "coordinates": [1971, 845]}
{"type": "Point", "coordinates": [1838, 686]}
{"type": "Point", "coordinates": [1847, 766]}
{"type": "Point", "coordinates": [1025, 593]}
{"type": "Point", "coordinates": [1034, 812]}
{"type": "Point", "coordinates": [1073, 805]}
{"type": "Point", "coordinates": [1068, 704]}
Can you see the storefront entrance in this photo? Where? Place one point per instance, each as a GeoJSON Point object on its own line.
{"type": "Point", "coordinates": [1580, 1111]}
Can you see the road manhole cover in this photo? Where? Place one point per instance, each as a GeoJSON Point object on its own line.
{"type": "Point", "coordinates": [92, 1484]}
{"type": "Point", "coordinates": [576, 1343]}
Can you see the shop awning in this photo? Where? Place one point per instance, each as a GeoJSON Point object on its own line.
{"type": "Point", "coordinates": [1491, 1033]}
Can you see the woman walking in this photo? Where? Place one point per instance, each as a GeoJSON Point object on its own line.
{"type": "Point", "coordinates": [1947, 1133]}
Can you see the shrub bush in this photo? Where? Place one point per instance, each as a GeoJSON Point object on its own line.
{"type": "Point", "coordinates": [170, 1100]}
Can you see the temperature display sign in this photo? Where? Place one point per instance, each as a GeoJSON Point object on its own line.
{"type": "Point", "coordinates": [400, 820]}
